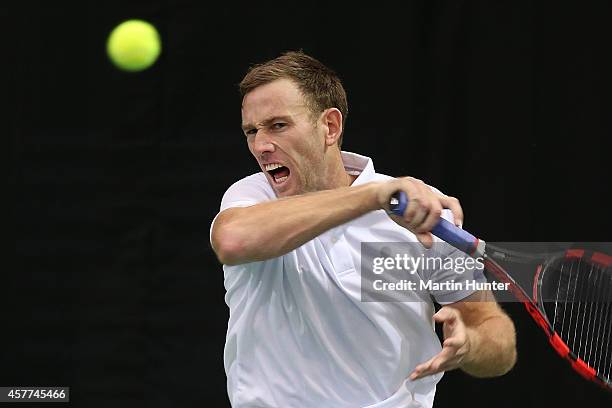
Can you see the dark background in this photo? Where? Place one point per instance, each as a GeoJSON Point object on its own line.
{"type": "Point", "coordinates": [113, 289]}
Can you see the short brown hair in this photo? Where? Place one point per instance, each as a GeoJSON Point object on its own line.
{"type": "Point", "coordinates": [320, 85]}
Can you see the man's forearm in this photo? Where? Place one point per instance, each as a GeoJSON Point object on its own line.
{"type": "Point", "coordinates": [492, 347]}
{"type": "Point", "coordinates": [273, 228]}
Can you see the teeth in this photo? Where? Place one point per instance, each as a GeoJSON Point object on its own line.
{"type": "Point", "coordinates": [281, 179]}
{"type": "Point", "coordinates": [272, 166]}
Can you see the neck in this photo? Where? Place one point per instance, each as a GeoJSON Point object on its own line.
{"type": "Point", "coordinates": [337, 175]}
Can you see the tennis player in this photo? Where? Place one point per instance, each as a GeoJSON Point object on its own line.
{"type": "Point", "coordinates": [289, 239]}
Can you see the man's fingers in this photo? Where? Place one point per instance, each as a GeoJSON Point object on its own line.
{"type": "Point", "coordinates": [415, 214]}
{"type": "Point", "coordinates": [447, 359]}
{"type": "Point", "coordinates": [425, 238]}
{"type": "Point", "coordinates": [421, 370]}
{"type": "Point", "coordinates": [453, 204]}
{"type": "Point", "coordinates": [433, 217]}
{"type": "Point", "coordinates": [455, 342]}
{"type": "Point", "coordinates": [437, 364]}
{"type": "Point", "coordinates": [445, 314]}
{"type": "Point", "coordinates": [424, 208]}
{"type": "Point", "coordinates": [454, 347]}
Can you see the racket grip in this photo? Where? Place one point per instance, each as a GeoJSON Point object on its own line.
{"type": "Point", "coordinates": [445, 230]}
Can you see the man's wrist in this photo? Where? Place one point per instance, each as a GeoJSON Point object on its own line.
{"type": "Point", "coordinates": [373, 193]}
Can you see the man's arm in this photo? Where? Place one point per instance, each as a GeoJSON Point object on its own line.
{"type": "Point", "coordinates": [479, 338]}
{"type": "Point", "coordinates": [271, 229]}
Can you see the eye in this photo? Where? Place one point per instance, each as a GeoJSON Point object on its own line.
{"type": "Point", "coordinates": [279, 125]}
{"type": "Point", "coordinates": [250, 132]}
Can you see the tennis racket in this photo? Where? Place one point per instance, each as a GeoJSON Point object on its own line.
{"type": "Point", "coordinates": [569, 296]}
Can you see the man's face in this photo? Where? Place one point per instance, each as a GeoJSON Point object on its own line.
{"type": "Point", "coordinates": [283, 138]}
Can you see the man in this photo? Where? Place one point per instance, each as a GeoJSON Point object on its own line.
{"type": "Point", "coordinates": [289, 238]}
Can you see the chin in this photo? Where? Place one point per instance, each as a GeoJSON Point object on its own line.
{"type": "Point", "coordinates": [288, 191]}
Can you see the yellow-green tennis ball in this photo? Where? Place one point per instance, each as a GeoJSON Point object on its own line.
{"type": "Point", "coordinates": [133, 45]}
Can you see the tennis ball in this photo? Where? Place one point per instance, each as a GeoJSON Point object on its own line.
{"type": "Point", "coordinates": [133, 45]}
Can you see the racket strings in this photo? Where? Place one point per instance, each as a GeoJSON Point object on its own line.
{"type": "Point", "coordinates": [606, 330]}
{"type": "Point", "coordinates": [577, 297]}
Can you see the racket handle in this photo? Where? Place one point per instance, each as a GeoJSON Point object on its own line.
{"type": "Point", "coordinates": [445, 230]}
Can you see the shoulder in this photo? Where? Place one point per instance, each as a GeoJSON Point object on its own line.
{"type": "Point", "coordinates": [248, 191]}
{"type": "Point", "coordinates": [257, 180]}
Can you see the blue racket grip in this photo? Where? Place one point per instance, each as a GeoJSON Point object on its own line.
{"type": "Point", "coordinates": [445, 230]}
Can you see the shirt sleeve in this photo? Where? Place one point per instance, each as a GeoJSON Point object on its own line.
{"type": "Point", "coordinates": [246, 192]}
{"type": "Point", "coordinates": [249, 191]}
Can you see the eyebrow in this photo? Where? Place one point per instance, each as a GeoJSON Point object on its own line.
{"type": "Point", "coordinates": [266, 122]}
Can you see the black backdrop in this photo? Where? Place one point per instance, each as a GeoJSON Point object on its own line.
{"type": "Point", "coordinates": [112, 288]}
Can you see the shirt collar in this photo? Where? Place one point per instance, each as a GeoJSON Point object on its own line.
{"type": "Point", "coordinates": [356, 164]}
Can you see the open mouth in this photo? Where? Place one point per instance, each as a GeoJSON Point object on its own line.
{"type": "Point", "coordinates": [278, 172]}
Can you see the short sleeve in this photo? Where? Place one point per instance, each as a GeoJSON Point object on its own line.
{"type": "Point", "coordinates": [249, 191]}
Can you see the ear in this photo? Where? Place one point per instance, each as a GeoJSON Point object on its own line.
{"type": "Point", "coordinates": [332, 122]}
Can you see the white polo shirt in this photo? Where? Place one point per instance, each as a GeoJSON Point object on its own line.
{"type": "Point", "coordinates": [299, 334]}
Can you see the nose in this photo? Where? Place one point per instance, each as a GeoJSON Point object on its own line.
{"type": "Point", "coordinates": [262, 143]}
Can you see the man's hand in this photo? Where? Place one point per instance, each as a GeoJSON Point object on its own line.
{"type": "Point", "coordinates": [479, 338]}
{"type": "Point", "coordinates": [455, 348]}
{"type": "Point", "coordinates": [424, 206]}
